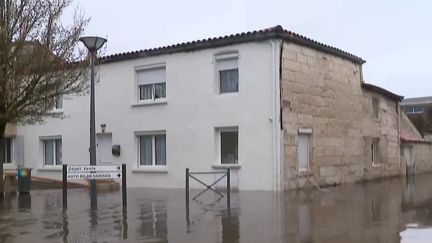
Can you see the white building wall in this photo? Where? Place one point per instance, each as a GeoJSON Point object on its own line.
{"type": "Point", "coordinates": [192, 112]}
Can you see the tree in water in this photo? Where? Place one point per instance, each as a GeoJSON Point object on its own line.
{"type": "Point", "coordinates": [40, 61]}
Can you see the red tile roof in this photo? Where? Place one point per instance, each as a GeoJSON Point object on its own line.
{"type": "Point", "coordinates": [410, 137]}
{"type": "Point", "coordinates": [276, 32]}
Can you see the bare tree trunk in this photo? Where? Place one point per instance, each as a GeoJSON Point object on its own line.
{"type": "Point", "coordinates": [2, 157]}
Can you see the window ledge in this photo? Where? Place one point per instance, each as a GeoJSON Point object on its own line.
{"type": "Point", "coordinates": [226, 166]}
{"type": "Point", "coordinates": [376, 165]}
{"type": "Point", "coordinates": [150, 170]}
{"type": "Point", "coordinates": [233, 93]}
{"type": "Point", "coordinates": [56, 112]}
{"type": "Point", "coordinates": [9, 167]}
{"type": "Point", "coordinates": [151, 102]}
{"type": "Point", "coordinates": [51, 168]}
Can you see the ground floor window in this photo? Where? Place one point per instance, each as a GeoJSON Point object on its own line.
{"type": "Point", "coordinates": [303, 151]}
{"type": "Point", "coordinates": [52, 151]}
{"type": "Point", "coordinates": [228, 144]}
{"type": "Point", "coordinates": [9, 150]}
{"type": "Point", "coordinates": [375, 152]}
{"type": "Point", "coordinates": [152, 150]}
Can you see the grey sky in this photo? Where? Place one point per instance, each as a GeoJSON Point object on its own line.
{"type": "Point", "coordinates": [393, 36]}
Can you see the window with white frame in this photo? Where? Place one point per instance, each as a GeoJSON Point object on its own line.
{"type": "Point", "coordinates": [152, 150]}
{"type": "Point", "coordinates": [151, 84]}
{"type": "Point", "coordinates": [52, 151]}
{"type": "Point", "coordinates": [9, 150]}
{"type": "Point", "coordinates": [228, 145]}
{"type": "Point", "coordinates": [227, 73]}
{"type": "Point", "coordinates": [414, 109]}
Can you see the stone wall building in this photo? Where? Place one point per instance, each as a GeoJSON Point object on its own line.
{"type": "Point", "coordinates": [349, 129]}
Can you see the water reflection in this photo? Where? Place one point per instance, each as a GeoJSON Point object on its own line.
{"type": "Point", "coordinates": [370, 212]}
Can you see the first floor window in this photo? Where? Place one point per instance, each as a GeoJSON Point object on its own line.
{"type": "Point", "coordinates": [152, 91]}
{"type": "Point", "coordinates": [229, 146]}
{"type": "Point", "coordinates": [9, 149]}
{"type": "Point", "coordinates": [228, 73]}
{"type": "Point", "coordinates": [228, 80]}
{"type": "Point", "coordinates": [303, 151]}
{"type": "Point", "coordinates": [151, 83]}
{"type": "Point", "coordinates": [52, 151]}
{"type": "Point", "coordinates": [152, 149]}
{"type": "Point", "coordinates": [59, 103]}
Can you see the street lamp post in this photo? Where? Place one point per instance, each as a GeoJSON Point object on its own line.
{"type": "Point", "coordinates": [93, 44]}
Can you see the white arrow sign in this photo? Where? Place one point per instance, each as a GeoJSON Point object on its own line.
{"type": "Point", "coordinates": [93, 168]}
{"type": "Point", "coordinates": [94, 176]}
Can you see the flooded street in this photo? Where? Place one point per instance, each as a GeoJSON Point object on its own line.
{"type": "Point", "coordinates": [393, 210]}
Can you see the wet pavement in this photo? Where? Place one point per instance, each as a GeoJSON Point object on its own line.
{"type": "Point", "coordinates": [392, 210]}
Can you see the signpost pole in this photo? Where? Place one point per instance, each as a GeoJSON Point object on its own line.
{"type": "Point", "coordinates": [228, 175]}
{"type": "Point", "coordinates": [64, 186]}
{"type": "Point", "coordinates": [124, 195]}
{"type": "Point", "coordinates": [187, 198]}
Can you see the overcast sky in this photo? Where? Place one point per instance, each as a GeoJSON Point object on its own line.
{"type": "Point", "coordinates": [393, 36]}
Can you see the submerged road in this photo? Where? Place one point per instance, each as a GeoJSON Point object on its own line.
{"type": "Point", "coordinates": [392, 210]}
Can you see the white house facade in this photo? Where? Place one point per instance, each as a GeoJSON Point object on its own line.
{"type": "Point", "coordinates": [206, 110]}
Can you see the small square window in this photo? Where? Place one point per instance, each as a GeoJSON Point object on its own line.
{"type": "Point", "coordinates": [228, 80]}
{"type": "Point", "coordinates": [52, 152]}
{"type": "Point", "coordinates": [227, 74]}
{"type": "Point", "coordinates": [152, 150]}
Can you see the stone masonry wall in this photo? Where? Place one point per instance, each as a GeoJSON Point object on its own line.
{"type": "Point", "coordinates": [323, 93]}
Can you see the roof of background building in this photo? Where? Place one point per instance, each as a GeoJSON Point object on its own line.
{"type": "Point", "coordinates": [276, 32]}
{"type": "Point", "coordinates": [410, 137]}
{"type": "Point", "coordinates": [417, 100]}
{"type": "Point", "coordinates": [382, 91]}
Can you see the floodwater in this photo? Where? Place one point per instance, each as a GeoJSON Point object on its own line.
{"type": "Point", "coordinates": [393, 210]}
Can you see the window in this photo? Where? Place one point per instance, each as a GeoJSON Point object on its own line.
{"type": "Point", "coordinates": [152, 150]}
{"type": "Point", "coordinates": [303, 151]}
{"type": "Point", "coordinates": [228, 138]}
{"type": "Point", "coordinates": [227, 73]}
{"type": "Point", "coordinates": [52, 151]}
{"type": "Point", "coordinates": [414, 109]}
{"type": "Point", "coordinates": [9, 150]}
{"type": "Point", "coordinates": [375, 108]}
{"type": "Point", "coordinates": [375, 151]}
{"type": "Point", "coordinates": [151, 84]}
{"type": "Point", "coordinates": [59, 103]}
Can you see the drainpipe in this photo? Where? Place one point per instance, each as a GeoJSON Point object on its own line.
{"type": "Point", "coordinates": [275, 116]}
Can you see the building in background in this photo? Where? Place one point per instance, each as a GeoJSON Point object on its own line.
{"type": "Point", "coordinates": [419, 111]}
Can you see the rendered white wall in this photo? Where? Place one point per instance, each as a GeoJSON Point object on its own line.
{"type": "Point", "coordinates": [192, 112]}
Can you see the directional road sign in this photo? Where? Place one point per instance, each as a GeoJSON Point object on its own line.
{"type": "Point", "coordinates": [78, 172]}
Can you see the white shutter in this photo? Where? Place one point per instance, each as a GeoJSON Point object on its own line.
{"type": "Point", "coordinates": [227, 64]}
{"type": "Point", "coordinates": [303, 151]}
{"type": "Point", "coordinates": [151, 76]}
{"type": "Point", "coordinates": [19, 150]}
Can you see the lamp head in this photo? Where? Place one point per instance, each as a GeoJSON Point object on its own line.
{"type": "Point", "coordinates": [93, 43]}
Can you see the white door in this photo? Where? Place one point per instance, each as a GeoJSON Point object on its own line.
{"type": "Point", "coordinates": [104, 148]}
